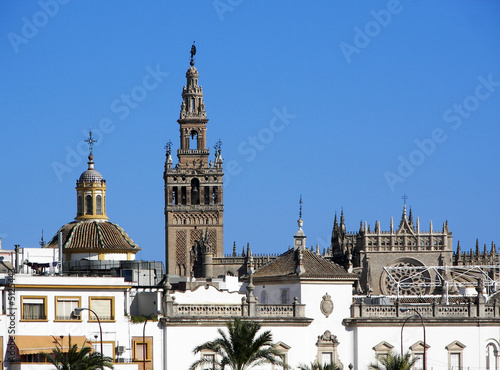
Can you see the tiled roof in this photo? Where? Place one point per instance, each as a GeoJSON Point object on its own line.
{"type": "Point", "coordinates": [315, 266]}
{"type": "Point", "coordinates": [94, 235]}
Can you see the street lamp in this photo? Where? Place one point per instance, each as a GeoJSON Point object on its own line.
{"type": "Point", "coordinates": [403, 309]}
{"type": "Point", "coordinates": [144, 338]}
{"type": "Point", "coordinates": [78, 310]}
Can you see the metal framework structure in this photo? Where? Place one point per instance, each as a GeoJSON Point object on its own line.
{"type": "Point", "coordinates": [405, 278]}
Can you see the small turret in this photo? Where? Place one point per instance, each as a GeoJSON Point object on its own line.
{"type": "Point", "coordinates": [91, 191]}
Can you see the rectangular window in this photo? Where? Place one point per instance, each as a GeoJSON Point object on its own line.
{"type": "Point", "coordinates": [326, 358]}
{"type": "Point", "coordinates": [141, 348]}
{"type": "Point", "coordinates": [65, 307]}
{"type": "Point", "coordinates": [284, 296]}
{"type": "Point", "coordinates": [419, 363]}
{"type": "Point", "coordinates": [98, 205]}
{"type": "Point", "coordinates": [210, 358]}
{"type": "Point", "coordinates": [103, 307]}
{"type": "Point", "coordinates": [455, 361]}
{"type": "Point", "coordinates": [282, 358]}
{"type": "Point", "coordinates": [108, 348]}
{"type": "Point", "coordinates": [34, 308]}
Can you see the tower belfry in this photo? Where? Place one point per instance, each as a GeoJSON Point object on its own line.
{"type": "Point", "coordinates": [193, 188]}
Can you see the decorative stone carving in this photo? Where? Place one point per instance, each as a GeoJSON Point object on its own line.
{"type": "Point", "coordinates": [327, 339]}
{"type": "Point", "coordinates": [327, 343]}
{"type": "Point", "coordinates": [326, 305]}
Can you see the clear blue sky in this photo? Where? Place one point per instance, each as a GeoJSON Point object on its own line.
{"type": "Point", "coordinates": [374, 99]}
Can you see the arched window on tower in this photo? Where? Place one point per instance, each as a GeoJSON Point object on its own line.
{"type": "Point", "coordinates": [207, 195]}
{"type": "Point", "coordinates": [80, 205]}
{"type": "Point", "coordinates": [195, 191]}
{"type": "Point", "coordinates": [98, 205]}
{"type": "Point", "coordinates": [183, 195]}
{"type": "Point", "coordinates": [175, 200]}
{"type": "Point", "coordinates": [89, 209]}
{"type": "Point", "coordinates": [191, 105]}
{"type": "Point", "coordinates": [193, 140]}
{"type": "Point", "coordinates": [215, 195]}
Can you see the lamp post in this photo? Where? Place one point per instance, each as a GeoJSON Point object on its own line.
{"type": "Point", "coordinates": [144, 339]}
{"type": "Point", "coordinates": [403, 309]}
{"type": "Point", "coordinates": [78, 310]}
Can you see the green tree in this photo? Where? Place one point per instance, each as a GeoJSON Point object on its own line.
{"type": "Point", "coordinates": [77, 358]}
{"type": "Point", "coordinates": [394, 361]}
{"type": "Point", "coordinates": [317, 366]}
{"type": "Point", "coordinates": [241, 349]}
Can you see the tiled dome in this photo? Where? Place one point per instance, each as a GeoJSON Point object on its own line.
{"type": "Point", "coordinates": [90, 176]}
{"type": "Point", "coordinates": [102, 236]}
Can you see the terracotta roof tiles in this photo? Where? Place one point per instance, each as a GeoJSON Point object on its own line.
{"type": "Point", "coordinates": [94, 235]}
{"type": "Point", "coordinates": [315, 266]}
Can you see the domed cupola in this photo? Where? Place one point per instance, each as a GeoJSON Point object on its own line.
{"type": "Point", "coordinates": [91, 192]}
{"type": "Point", "coordinates": [91, 236]}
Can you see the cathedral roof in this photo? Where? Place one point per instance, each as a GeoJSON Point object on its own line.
{"type": "Point", "coordinates": [314, 267]}
{"type": "Point", "coordinates": [96, 236]}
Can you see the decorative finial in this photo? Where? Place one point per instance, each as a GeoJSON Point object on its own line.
{"type": "Point", "coordinates": [404, 197]}
{"type": "Point", "coordinates": [217, 146]}
{"type": "Point", "coordinates": [169, 147]}
{"type": "Point", "coordinates": [91, 142]}
{"type": "Point", "coordinates": [300, 207]}
{"type": "Point", "coordinates": [193, 53]}
{"type": "Point", "coordinates": [42, 242]}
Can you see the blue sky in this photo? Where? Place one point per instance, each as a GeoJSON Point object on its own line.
{"type": "Point", "coordinates": [351, 104]}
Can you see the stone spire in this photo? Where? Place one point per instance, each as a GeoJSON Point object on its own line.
{"type": "Point", "coordinates": [410, 219]}
{"type": "Point", "coordinates": [299, 238]}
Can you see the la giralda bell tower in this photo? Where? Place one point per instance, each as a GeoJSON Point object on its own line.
{"type": "Point", "coordinates": [193, 188]}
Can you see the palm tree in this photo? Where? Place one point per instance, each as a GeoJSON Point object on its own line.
{"type": "Point", "coordinates": [241, 349]}
{"type": "Point", "coordinates": [394, 361]}
{"type": "Point", "coordinates": [77, 358]}
{"type": "Point", "coordinates": [317, 366]}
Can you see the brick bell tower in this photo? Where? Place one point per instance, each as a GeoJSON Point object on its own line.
{"type": "Point", "coordinates": [193, 188]}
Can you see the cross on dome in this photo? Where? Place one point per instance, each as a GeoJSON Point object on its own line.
{"type": "Point", "coordinates": [91, 142]}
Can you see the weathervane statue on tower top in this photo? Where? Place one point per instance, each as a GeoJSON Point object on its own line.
{"type": "Point", "coordinates": [91, 142]}
{"type": "Point", "coordinates": [193, 53]}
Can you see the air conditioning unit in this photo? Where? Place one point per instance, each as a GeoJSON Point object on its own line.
{"type": "Point", "coordinates": [120, 349]}
{"type": "Point", "coordinates": [121, 360]}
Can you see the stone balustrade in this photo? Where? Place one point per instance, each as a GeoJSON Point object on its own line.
{"type": "Point", "coordinates": [247, 309]}
{"type": "Point", "coordinates": [471, 309]}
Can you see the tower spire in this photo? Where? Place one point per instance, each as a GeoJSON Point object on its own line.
{"type": "Point", "coordinates": [193, 186]}
{"type": "Point", "coordinates": [300, 207]}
